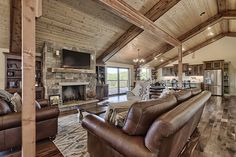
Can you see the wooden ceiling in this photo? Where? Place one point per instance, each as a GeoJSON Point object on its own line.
{"type": "Point", "coordinates": [88, 25]}
{"type": "Point", "coordinates": [191, 21]}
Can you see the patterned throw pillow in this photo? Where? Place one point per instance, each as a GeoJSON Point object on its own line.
{"type": "Point", "coordinates": [5, 95]}
{"type": "Point", "coordinates": [16, 102]}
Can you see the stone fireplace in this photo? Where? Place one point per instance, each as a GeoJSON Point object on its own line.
{"type": "Point", "coordinates": [73, 91]}
{"type": "Point", "coordinates": [72, 86]}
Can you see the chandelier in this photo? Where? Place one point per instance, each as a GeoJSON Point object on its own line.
{"type": "Point", "coordinates": [138, 60]}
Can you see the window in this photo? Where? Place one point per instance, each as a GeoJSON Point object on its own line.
{"type": "Point", "coordinates": [145, 74]}
{"type": "Point", "coordinates": [118, 80]}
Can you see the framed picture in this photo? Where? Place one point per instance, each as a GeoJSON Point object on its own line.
{"type": "Point", "coordinates": [54, 99]}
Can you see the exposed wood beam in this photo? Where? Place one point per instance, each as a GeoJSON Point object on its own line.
{"type": "Point", "coordinates": [28, 70]}
{"type": "Point", "coordinates": [200, 28]}
{"type": "Point", "coordinates": [224, 26]}
{"type": "Point", "coordinates": [180, 66]}
{"type": "Point", "coordinates": [153, 14]}
{"type": "Point", "coordinates": [128, 13]}
{"type": "Point", "coordinates": [222, 5]}
{"type": "Point", "coordinates": [195, 48]}
{"type": "Point", "coordinates": [39, 8]}
{"type": "Point", "coordinates": [231, 34]}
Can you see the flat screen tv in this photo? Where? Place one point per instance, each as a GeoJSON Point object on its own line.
{"type": "Point", "coordinates": [74, 59]}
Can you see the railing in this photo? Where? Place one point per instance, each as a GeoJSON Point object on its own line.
{"type": "Point", "coordinates": [113, 86]}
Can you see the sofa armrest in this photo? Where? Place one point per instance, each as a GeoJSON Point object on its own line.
{"type": "Point", "coordinates": [10, 120]}
{"type": "Point", "coordinates": [118, 140]}
{"type": "Point", "coordinates": [14, 119]}
{"type": "Point", "coordinates": [47, 113]}
{"type": "Point", "coordinates": [43, 103]}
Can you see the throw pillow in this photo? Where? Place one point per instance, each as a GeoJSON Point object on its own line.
{"type": "Point", "coordinates": [137, 90]}
{"type": "Point", "coordinates": [5, 95]}
{"type": "Point", "coordinates": [16, 102]}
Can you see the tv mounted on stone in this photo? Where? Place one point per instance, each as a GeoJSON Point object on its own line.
{"type": "Point", "coordinates": [75, 59]}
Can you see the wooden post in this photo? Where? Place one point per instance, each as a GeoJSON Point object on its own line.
{"type": "Point", "coordinates": [28, 78]}
{"type": "Point", "coordinates": [180, 66]}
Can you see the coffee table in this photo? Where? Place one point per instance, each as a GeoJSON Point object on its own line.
{"type": "Point", "coordinates": [94, 108]}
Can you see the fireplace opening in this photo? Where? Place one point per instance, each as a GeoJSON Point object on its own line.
{"type": "Point", "coordinates": [73, 93]}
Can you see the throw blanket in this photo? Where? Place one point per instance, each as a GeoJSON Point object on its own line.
{"type": "Point", "coordinates": [117, 112]}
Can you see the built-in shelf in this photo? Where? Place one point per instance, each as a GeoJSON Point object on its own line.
{"type": "Point", "coordinates": [69, 70]}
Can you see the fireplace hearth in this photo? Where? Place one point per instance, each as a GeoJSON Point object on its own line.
{"type": "Point", "coordinates": [73, 93]}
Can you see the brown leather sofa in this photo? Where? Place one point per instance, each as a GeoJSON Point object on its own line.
{"type": "Point", "coordinates": [10, 124]}
{"type": "Point", "coordinates": [156, 128]}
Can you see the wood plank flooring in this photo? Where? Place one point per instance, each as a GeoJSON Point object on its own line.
{"type": "Point", "coordinates": [44, 148]}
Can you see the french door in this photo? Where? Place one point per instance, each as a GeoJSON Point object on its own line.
{"type": "Point", "coordinates": [118, 80]}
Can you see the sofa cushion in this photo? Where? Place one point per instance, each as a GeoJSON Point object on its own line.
{"type": "Point", "coordinates": [183, 95]}
{"type": "Point", "coordinates": [4, 108]}
{"type": "Point", "coordinates": [142, 114]}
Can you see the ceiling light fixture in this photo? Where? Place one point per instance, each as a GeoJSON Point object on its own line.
{"type": "Point", "coordinates": [162, 60]}
{"type": "Point", "coordinates": [211, 34]}
{"type": "Point", "coordinates": [138, 60]}
{"type": "Point", "coordinates": [208, 28]}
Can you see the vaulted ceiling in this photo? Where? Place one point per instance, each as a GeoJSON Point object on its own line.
{"type": "Point", "coordinates": [194, 22]}
{"type": "Point", "coordinates": [88, 25]}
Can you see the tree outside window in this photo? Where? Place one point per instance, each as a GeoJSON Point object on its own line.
{"type": "Point", "coordinates": [145, 74]}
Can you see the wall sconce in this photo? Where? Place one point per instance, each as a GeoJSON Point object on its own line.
{"type": "Point", "coordinates": [57, 53]}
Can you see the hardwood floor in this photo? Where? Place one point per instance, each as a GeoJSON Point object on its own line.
{"type": "Point", "coordinates": [44, 148]}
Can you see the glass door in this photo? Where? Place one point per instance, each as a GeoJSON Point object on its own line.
{"type": "Point", "coordinates": [118, 80]}
{"type": "Point", "coordinates": [112, 80]}
{"type": "Point", "coordinates": [123, 80]}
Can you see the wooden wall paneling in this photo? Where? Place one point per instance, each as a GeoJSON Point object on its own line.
{"type": "Point", "coordinates": [5, 23]}
{"type": "Point", "coordinates": [28, 70]}
{"type": "Point", "coordinates": [153, 14]}
{"type": "Point", "coordinates": [197, 47]}
{"type": "Point", "coordinates": [15, 27]}
{"type": "Point", "coordinates": [84, 24]}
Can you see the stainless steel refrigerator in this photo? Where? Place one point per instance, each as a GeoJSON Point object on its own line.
{"type": "Point", "coordinates": [213, 81]}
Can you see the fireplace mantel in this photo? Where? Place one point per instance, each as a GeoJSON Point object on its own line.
{"type": "Point", "coordinates": [73, 83]}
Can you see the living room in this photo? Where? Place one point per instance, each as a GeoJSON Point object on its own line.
{"type": "Point", "coordinates": [117, 78]}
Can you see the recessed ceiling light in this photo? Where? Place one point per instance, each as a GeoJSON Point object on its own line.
{"type": "Point", "coordinates": [183, 49]}
{"type": "Point", "coordinates": [162, 60]}
{"type": "Point", "coordinates": [208, 28]}
{"type": "Point", "coordinates": [155, 58]}
{"type": "Point", "coordinates": [211, 34]}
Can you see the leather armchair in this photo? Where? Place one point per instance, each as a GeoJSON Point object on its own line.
{"type": "Point", "coordinates": [10, 126]}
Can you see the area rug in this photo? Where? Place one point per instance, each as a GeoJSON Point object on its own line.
{"type": "Point", "coordinates": [72, 138]}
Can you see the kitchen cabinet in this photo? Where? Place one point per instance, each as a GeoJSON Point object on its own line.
{"type": "Point", "coordinates": [195, 70]}
{"type": "Point", "coordinates": [168, 71]}
{"type": "Point", "coordinates": [213, 65]}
